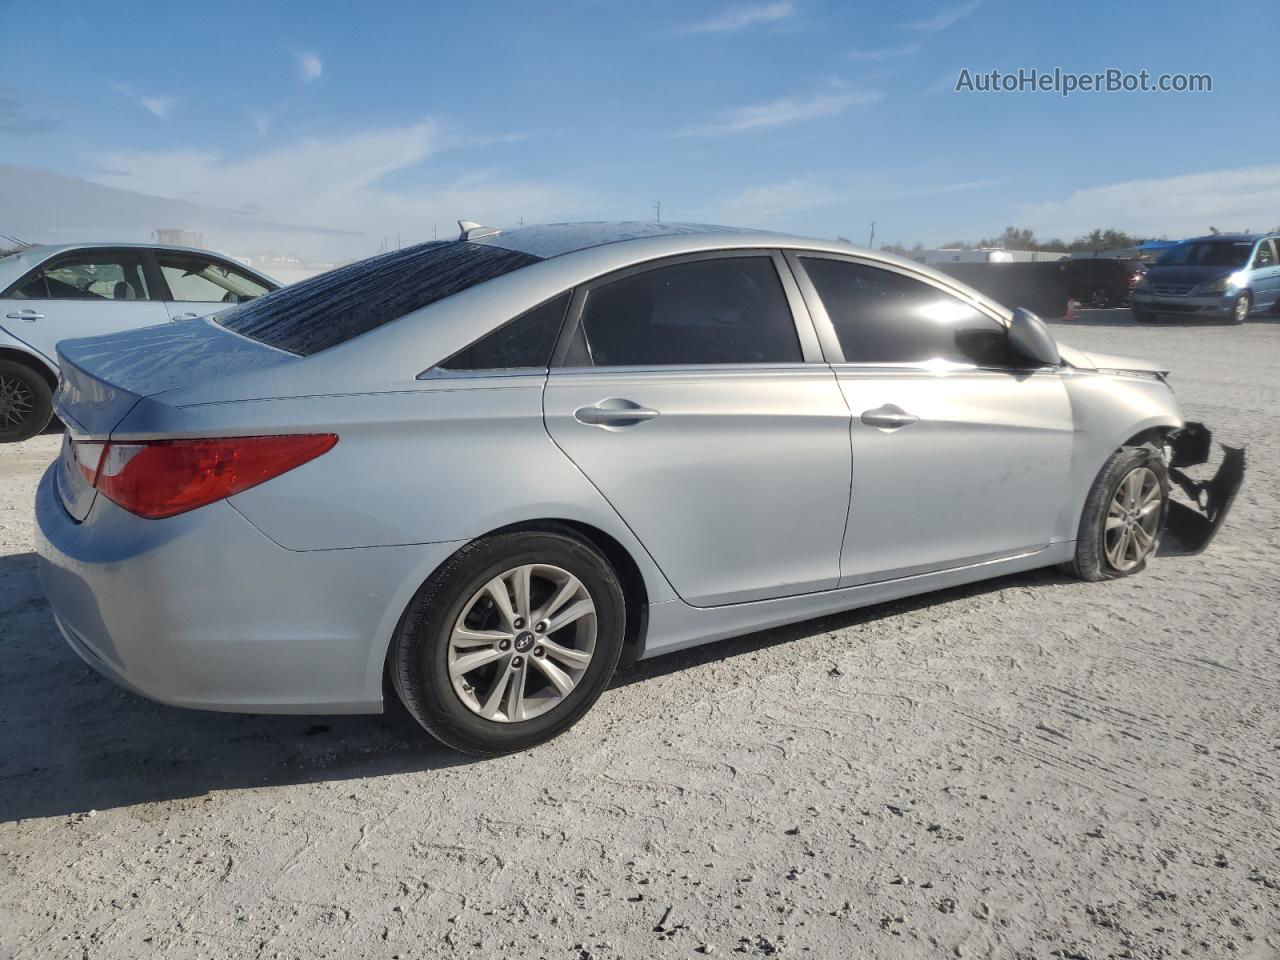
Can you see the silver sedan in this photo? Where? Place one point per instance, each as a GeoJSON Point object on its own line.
{"type": "Point", "coordinates": [491, 468]}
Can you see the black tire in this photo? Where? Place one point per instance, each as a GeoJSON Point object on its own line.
{"type": "Point", "coordinates": [1144, 316]}
{"type": "Point", "coordinates": [26, 402]}
{"type": "Point", "coordinates": [419, 654]}
{"type": "Point", "coordinates": [1100, 298]}
{"type": "Point", "coordinates": [1241, 308]}
{"type": "Point", "coordinates": [1090, 561]}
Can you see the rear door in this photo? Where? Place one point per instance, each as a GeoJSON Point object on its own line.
{"type": "Point", "coordinates": [961, 453]}
{"type": "Point", "coordinates": [197, 284]}
{"type": "Point", "coordinates": [84, 293]}
{"type": "Point", "coordinates": [692, 393]}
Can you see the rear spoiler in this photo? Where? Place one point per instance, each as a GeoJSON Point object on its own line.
{"type": "Point", "coordinates": [1193, 528]}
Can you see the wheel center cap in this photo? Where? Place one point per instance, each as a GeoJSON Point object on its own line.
{"type": "Point", "coordinates": [524, 642]}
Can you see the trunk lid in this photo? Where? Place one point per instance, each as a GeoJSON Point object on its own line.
{"type": "Point", "coordinates": [102, 378]}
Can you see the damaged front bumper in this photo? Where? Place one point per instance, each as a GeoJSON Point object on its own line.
{"type": "Point", "coordinates": [1192, 528]}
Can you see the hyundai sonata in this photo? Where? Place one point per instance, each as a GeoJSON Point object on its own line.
{"type": "Point", "coordinates": [489, 468]}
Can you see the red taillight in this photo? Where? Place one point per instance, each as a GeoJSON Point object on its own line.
{"type": "Point", "coordinates": [161, 478]}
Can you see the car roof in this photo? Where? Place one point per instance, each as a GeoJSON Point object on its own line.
{"type": "Point", "coordinates": [1229, 237]}
{"type": "Point", "coordinates": [557, 239]}
{"type": "Point", "coordinates": [49, 249]}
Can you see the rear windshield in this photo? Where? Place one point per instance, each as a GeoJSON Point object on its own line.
{"type": "Point", "coordinates": [334, 307]}
{"type": "Point", "coordinates": [1208, 253]}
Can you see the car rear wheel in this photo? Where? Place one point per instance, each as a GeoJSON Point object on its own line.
{"type": "Point", "coordinates": [1123, 516]}
{"type": "Point", "coordinates": [1241, 309]}
{"type": "Point", "coordinates": [26, 402]}
{"type": "Point", "coordinates": [510, 643]}
{"type": "Point", "coordinates": [1100, 298]}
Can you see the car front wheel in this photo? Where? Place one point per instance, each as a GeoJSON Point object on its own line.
{"type": "Point", "coordinates": [1123, 516]}
{"type": "Point", "coordinates": [1241, 309]}
{"type": "Point", "coordinates": [510, 642]}
{"type": "Point", "coordinates": [26, 402]}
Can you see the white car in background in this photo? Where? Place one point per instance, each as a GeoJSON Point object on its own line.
{"type": "Point", "coordinates": [50, 293]}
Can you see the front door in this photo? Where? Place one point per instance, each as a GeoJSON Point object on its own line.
{"type": "Point", "coordinates": [960, 453]}
{"type": "Point", "coordinates": [82, 294]}
{"type": "Point", "coordinates": [723, 443]}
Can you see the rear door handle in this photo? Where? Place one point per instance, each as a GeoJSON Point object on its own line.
{"type": "Point", "coordinates": [614, 412]}
{"type": "Point", "coordinates": [27, 315]}
{"type": "Point", "coordinates": [888, 417]}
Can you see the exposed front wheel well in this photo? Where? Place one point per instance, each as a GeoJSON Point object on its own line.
{"type": "Point", "coordinates": [1155, 436]}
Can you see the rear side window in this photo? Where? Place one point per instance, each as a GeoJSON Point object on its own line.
{"type": "Point", "coordinates": [93, 276]}
{"type": "Point", "coordinates": [731, 310]}
{"type": "Point", "coordinates": [526, 341]}
{"type": "Point", "coordinates": [334, 307]}
{"type": "Point", "coordinates": [200, 280]}
{"type": "Point", "coordinates": [885, 317]}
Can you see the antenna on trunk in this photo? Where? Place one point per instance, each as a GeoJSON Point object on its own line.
{"type": "Point", "coordinates": [474, 231]}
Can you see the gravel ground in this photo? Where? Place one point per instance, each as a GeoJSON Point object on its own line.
{"type": "Point", "coordinates": [1031, 767]}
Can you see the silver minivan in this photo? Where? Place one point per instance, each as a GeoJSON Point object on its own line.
{"type": "Point", "coordinates": [1222, 276]}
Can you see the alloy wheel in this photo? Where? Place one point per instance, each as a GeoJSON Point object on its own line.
{"type": "Point", "coordinates": [1242, 308]}
{"type": "Point", "coordinates": [522, 643]}
{"type": "Point", "coordinates": [17, 401]}
{"type": "Point", "coordinates": [1133, 520]}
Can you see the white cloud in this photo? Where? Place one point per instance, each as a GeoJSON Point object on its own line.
{"type": "Point", "coordinates": [157, 104]}
{"type": "Point", "coordinates": [778, 201]}
{"type": "Point", "coordinates": [737, 18]}
{"type": "Point", "coordinates": [1178, 206]}
{"type": "Point", "coordinates": [787, 110]}
{"type": "Point", "coordinates": [886, 53]}
{"type": "Point", "coordinates": [337, 182]}
{"type": "Point", "coordinates": [944, 18]}
{"type": "Point", "coordinates": [160, 106]}
{"type": "Point", "coordinates": [783, 201]}
{"type": "Point", "coordinates": [310, 66]}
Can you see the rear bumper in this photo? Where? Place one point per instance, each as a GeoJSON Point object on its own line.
{"type": "Point", "coordinates": [202, 610]}
{"type": "Point", "coordinates": [1194, 527]}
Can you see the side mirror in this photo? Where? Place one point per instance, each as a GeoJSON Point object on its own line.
{"type": "Point", "coordinates": [1031, 338]}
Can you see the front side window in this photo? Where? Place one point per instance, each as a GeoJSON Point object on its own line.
{"type": "Point", "coordinates": [523, 343]}
{"type": "Point", "coordinates": [730, 310]}
{"type": "Point", "coordinates": [197, 279]}
{"type": "Point", "coordinates": [885, 317]}
{"type": "Point", "coordinates": [334, 307]}
{"type": "Point", "coordinates": [1264, 257]}
{"type": "Point", "coordinates": [86, 277]}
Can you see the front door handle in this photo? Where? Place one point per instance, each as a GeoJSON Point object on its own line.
{"type": "Point", "coordinates": [27, 315]}
{"type": "Point", "coordinates": [888, 417]}
{"type": "Point", "coordinates": [614, 412]}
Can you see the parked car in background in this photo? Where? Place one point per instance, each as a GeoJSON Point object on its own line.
{"type": "Point", "coordinates": [1102, 282]}
{"type": "Point", "coordinates": [488, 468]}
{"type": "Point", "coordinates": [1223, 276]}
{"type": "Point", "coordinates": [53, 293]}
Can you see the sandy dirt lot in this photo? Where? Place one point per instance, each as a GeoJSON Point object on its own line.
{"type": "Point", "coordinates": [1030, 767]}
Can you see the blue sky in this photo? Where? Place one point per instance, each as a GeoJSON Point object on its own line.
{"type": "Point", "coordinates": [814, 117]}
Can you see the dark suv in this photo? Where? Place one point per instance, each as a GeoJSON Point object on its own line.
{"type": "Point", "coordinates": [1103, 281]}
{"type": "Point", "coordinates": [1224, 276]}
